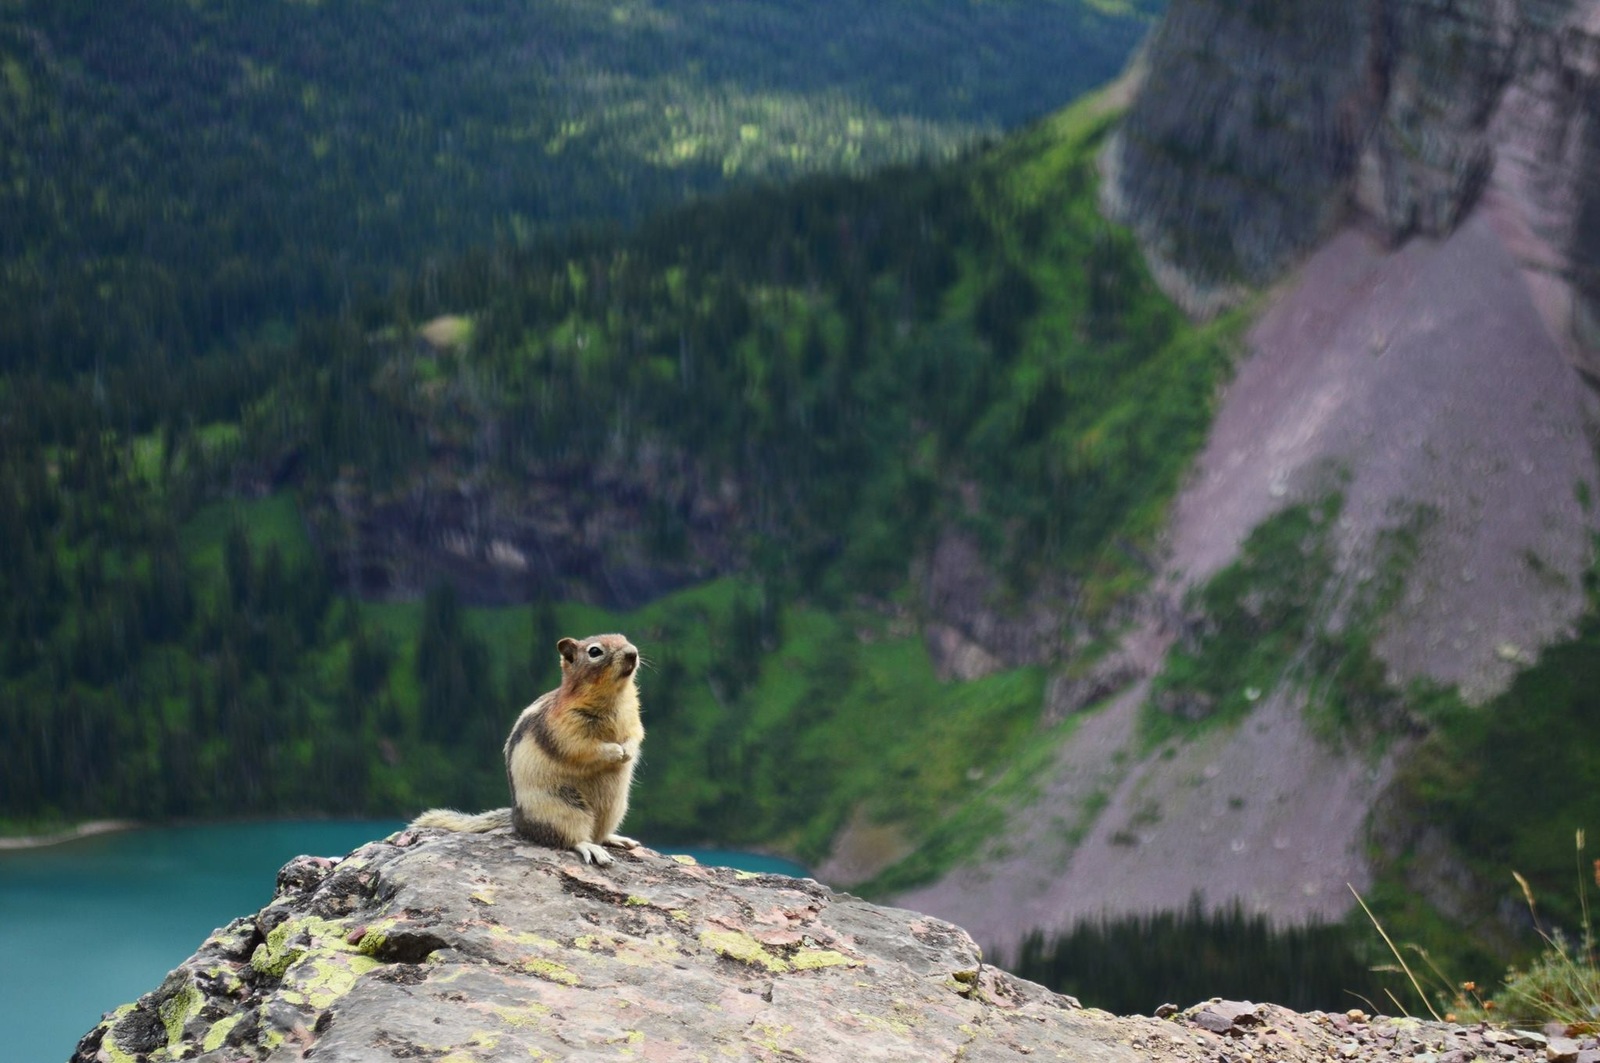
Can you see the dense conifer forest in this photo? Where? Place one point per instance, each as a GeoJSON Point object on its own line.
{"type": "Point", "coordinates": [178, 173]}
{"type": "Point", "coordinates": [1134, 965]}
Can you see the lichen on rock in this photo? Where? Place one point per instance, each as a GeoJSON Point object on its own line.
{"type": "Point", "coordinates": [385, 955]}
{"type": "Point", "coordinates": [390, 952]}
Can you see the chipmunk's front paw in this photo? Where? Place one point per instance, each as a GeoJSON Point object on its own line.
{"type": "Point", "coordinates": [592, 853]}
{"type": "Point", "coordinates": [619, 841]}
{"type": "Point", "coordinates": [618, 753]}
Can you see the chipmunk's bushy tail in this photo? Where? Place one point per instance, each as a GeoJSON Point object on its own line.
{"type": "Point", "coordinates": [450, 819]}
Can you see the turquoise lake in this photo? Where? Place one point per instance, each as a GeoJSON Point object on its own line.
{"type": "Point", "coordinates": [90, 924]}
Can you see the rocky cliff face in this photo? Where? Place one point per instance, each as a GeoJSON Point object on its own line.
{"type": "Point", "coordinates": [1262, 128]}
{"type": "Point", "coordinates": [483, 948]}
{"type": "Point", "coordinates": [1429, 168]}
{"type": "Point", "coordinates": [615, 532]}
{"type": "Point", "coordinates": [1412, 186]}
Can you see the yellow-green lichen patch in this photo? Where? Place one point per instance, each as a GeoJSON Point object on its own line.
{"type": "Point", "coordinates": [219, 1032]}
{"type": "Point", "coordinates": [177, 1010]}
{"type": "Point", "coordinates": [375, 936]}
{"type": "Point", "coordinates": [266, 960]}
{"type": "Point", "coordinates": [315, 959]}
{"type": "Point", "coordinates": [679, 915]}
{"type": "Point", "coordinates": [231, 938]}
{"type": "Point", "coordinates": [284, 945]}
{"type": "Point", "coordinates": [813, 959]}
{"type": "Point", "coordinates": [539, 965]}
{"type": "Point", "coordinates": [768, 1035]}
{"type": "Point", "coordinates": [635, 901]}
{"type": "Point", "coordinates": [880, 1024]}
{"type": "Point", "coordinates": [528, 1016]}
{"type": "Point", "coordinates": [115, 1054]}
{"type": "Point", "coordinates": [484, 896]}
{"type": "Point", "coordinates": [743, 875]}
{"type": "Point", "coordinates": [737, 945]}
{"type": "Point", "coordinates": [225, 979]}
{"type": "Point", "coordinates": [324, 979]}
{"type": "Point", "coordinates": [526, 938]}
{"type": "Point", "coordinates": [109, 1047]}
{"type": "Point", "coordinates": [658, 950]}
{"type": "Point", "coordinates": [623, 1042]}
{"type": "Point", "coordinates": [549, 970]}
{"type": "Point", "coordinates": [685, 858]}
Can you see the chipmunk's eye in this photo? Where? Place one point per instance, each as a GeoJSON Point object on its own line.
{"type": "Point", "coordinates": [595, 653]}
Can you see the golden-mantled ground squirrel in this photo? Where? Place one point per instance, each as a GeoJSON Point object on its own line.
{"type": "Point", "coordinates": [571, 755]}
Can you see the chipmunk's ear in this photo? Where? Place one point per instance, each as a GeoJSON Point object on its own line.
{"type": "Point", "coordinates": [568, 648]}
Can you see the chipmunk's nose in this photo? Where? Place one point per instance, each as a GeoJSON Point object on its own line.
{"type": "Point", "coordinates": [630, 660]}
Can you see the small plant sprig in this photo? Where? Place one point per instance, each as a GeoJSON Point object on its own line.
{"type": "Point", "coordinates": [1561, 985]}
{"type": "Point", "coordinates": [1461, 1000]}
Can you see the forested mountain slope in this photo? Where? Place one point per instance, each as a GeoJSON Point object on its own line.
{"type": "Point", "coordinates": [803, 391]}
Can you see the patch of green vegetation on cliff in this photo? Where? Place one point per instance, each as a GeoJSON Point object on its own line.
{"type": "Point", "coordinates": [974, 827]}
{"type": "Point", "coordinates": [1287, 612]}
{"type": "Point", "coordinates": [1505, 787]}
{"type": "Point", "coordinates": [773, 731]}
{"type": "Point", "coordinates": [270, 523]}
{"type": "Point", "coordinates": [1249, 624]}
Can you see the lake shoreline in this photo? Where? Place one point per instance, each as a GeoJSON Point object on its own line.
{"type": "Point", "coordinates": [98, 827]}
{"type": "Point", "coordinates": [139, 898]}
{"type": "Point", "coordinates": [88, 829]}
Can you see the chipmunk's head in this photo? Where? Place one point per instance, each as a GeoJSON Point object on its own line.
{"type": "Point", "coordinates": [598, 660]}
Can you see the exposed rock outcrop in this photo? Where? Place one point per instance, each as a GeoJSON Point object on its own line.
{"type": "Point", "coordinates": [1238, 148]}
{"type": "Point", "coordinates": [615, 532]}
{"type": "Point", "coordinates": [973, 625]}
{"type": "Point", "coordinates": [430, 945]}
{"type": "Point", "coordinates": [481, 947]}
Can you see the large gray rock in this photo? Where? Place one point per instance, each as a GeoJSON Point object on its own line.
{"type": "Point", "coordinates": [480, 947]}
{"type": "Point", "coordinates": [431, 945]}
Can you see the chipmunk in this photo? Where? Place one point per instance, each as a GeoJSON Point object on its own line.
{"type": "Point", "coordinates": [570, 757]}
